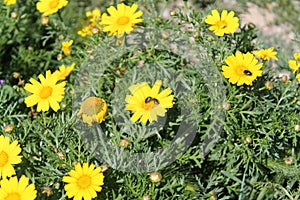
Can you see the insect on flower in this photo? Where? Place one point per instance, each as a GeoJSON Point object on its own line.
{"type": "Point", "coordinates": [247, 72]}
{"type": "Point", "coordinates": [148, 99]}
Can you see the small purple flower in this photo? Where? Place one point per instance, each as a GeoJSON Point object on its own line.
{"type": "Point", "coordinates": [1, 82]}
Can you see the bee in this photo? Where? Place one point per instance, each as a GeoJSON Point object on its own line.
{"type": "Point", "coordinates": [148, 99]}
{"type": "Point", "coordinates": [247, 72]}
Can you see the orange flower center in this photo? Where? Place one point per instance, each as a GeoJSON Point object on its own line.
{"type": "Point", "coordinates": [46, 92]}
{"type": "Point", "coordinates": [13, 196]}
{"type": "Point", "coordinates": [3, 158]}
{"type": "Point", "coordinates": [84, 182]}
{"type": "Point", "coordinates": [221, 24]}
{"type": "Point", "coordinates": [123, 20]}
{"type": "Point", "coordinates": [92, 106]}
{"type": "Point", "coordinates": [150, 103]}
{"type": "Point", "coordinates": [53, 4]}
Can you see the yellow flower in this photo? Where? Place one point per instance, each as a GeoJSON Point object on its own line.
{"type": "Point", "coordinates": [66, 47]}
{"type": "Point", "coordinates": [14, 189]}
{"type": "Point", "coordinates": [297, 57]}
{"type": "Point", "coordinates": [295, 64]}
{"type": "Point", "coordinates": [84, 182]}
{"type": "Point", "coordinates": [9, 155]}
{"type": "Point", "coordinates": [93, 16]}
{"type": "Point", "coordinates": [48, 7]}
{"type": "Point", "coordinates": [93, 109]}
{"type": "Point", "coordinates": [64, 71]}
{"type": "Point", "coordinates": [121, 20]}
{"type": "Point", "coordinates": [45, 93]}
{"type": "Point", "coordinates": [85, 31]}
{"type": "Point", "coordinates": [92, 24]}
{"type": "Point", "coordinates": [242, 68]}
{"type": "Point", "coordinates": [147, 103]}
{"type": "Point", "coordinates": [266, 54]}
{"type": "Point", "coordinates": [10, 2]}
{"type": "Point", "coordinates": [298, 77]}
{"type": "Point", "coordinates": [224, 24]}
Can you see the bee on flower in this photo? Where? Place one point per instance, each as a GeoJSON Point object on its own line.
{"type": "Point", "coordinates": [147, 103]}
{"type": "Point", "coordinates": [242, 68]}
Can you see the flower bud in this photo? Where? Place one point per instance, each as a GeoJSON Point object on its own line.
{"type": "Point", "coordinates": [248, 140]}
{"type": "Point", "coordinates": [61, 37]}
{"type": "Point", "coordinates": [60, 155]}
{"type": "Point", "coordinates": [297, 127]}
{"type": "Point", "coordinates": [226, 106]}
{"type": "Point", "coordinates": [155, 177]}
{"type": "Point", "coordinates": [124, 143]}
{"type": "Point", "coordinates": [146, 197]}
{"type": "Point", "coordinates": [16, 75]}
{"type": "Point", "coordinates": [47, 191]}
{"type": "Point", "coordinates": [14, 15]}
{"type": "Point", "coordinates": [95, 30]}
{"type": "Point", "coordinates": [104, 167]}
{"type": "Point", "coordinates": [196, 35]}
{"type": "Point", "coordinates": [141, 63]}
{"type": "Point", "coordinates": [90, 50]}
{"type": "Point", "coordinates": [269, 85]}
{"type": "Point", "coordinates": [165, 34]}
{"type": "Point", "coordinates": [45, 20]}
{"type": "Point", "coordinates": [21, 83]}
{"type": "Point", "coordinates": [59, 57]}
{"type": "Point", "coordinates": [8, 128]}
{"type": "Point", "coordinates": [284, 78]}
{"type": "Point", "coordinates": [288, 160]}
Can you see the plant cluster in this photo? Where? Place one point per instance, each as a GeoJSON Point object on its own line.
{"type": "Point", "coordinates": [117, 101]}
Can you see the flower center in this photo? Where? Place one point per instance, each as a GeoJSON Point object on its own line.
{"type": "Point", "coordinates": [150, 103]}
{"type": "Point", "coordinates": [3, 158]}
{"type": "Point", "coordinates": [53, 4]}
{"type": "Point", "coordinates": [92, 106]}
{"type": "Point", "coordinates": [46, 92]}
{"type": "Point", "coordinates": [221, 24]}
{"type": "Point", "coordinates": [13, 196]}
{"type": "Point", "coordinates": [123, 20]}
{"type": "Point", "coordinates": [84, 182]}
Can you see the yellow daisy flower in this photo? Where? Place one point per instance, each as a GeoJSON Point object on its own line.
{"type": "Point", "coordinates": [66, 47]}
{"type": "Point", "coordinates": [294, 65]}
{"type": "Point", "coordinates": [242, 68]}
{"type": "Point", "coordinates": [93, 109]}
{"type": "Point", "coordinates": [10, 2]}
{"type": "Point", "coordinates": [92, 24]}
{"type": "Point", "coordinates": [121, 20]}
{"type": "Point", "coordinates": [266, 54]}
{"type": "Point", "coordinates": [9, 155]}
{"type": "Point", "coordinates": [84, 182]}
{"type": "Point", "coordinates": [224, 24]}
{"type": "Point", "coordinates": [147, 103]}
{"type": "Point", "coordinates": [48, 7]}
{"type": "Point", "coordinates": [64, 71]}
{"type": "Point", "coordinates": [298, 77]}
{"type": "Point", "coordinates": [45, 93]}
{"type": "Point", "coordinates": [14, 189]}
{"type": "Point", "coordinates": [297, 57]}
